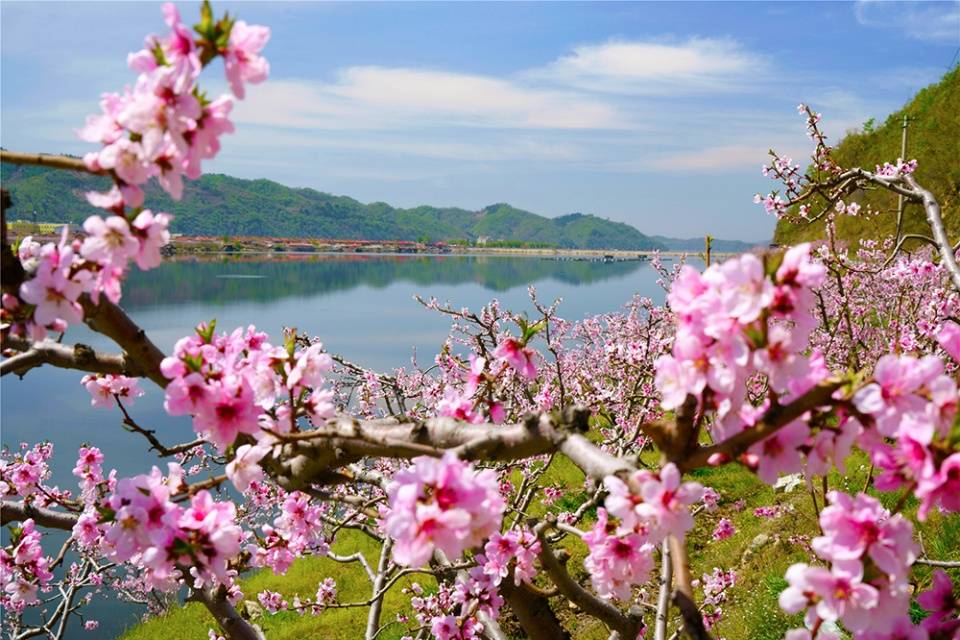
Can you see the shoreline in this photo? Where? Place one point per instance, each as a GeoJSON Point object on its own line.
{"type": "Point", "coordinates": [297, 248]}
{"type": "Point", "coordinates": [574, 255]}
{"type": "Point", "coordinates": [301, 248]}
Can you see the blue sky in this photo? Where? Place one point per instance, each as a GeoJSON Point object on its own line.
{"type": "Point", "coordinates": [655, 114]}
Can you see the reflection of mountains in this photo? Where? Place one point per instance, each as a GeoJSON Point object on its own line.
{"type": "Point", "coordinates": [224, 281]}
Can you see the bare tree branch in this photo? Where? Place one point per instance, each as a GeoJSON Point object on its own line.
{"type": "Point", "coordinates": [533, 610]}
{"type": "Point", "coordinates": [155, 445]}
{"type": "Point", "coordinates": [48, 160]}
{"type": "Point", "coordinates": [663, 599]}
{"type": "Point", "coordinates": [314, 456]}
{"type": "Point", "coordinates": [932, 209]}
{"type": "Point", "coordinates": [113, 322]}
{"type": "Point", "coordinates": [79, 357]}
{"type": "Point", "coordinates": [230, 621]}
{"type": "Point", "coordinates": [376, 607]}
{"type": "Point", "coordinates": [681, 566]}
{"type": "Point", "coordinates": [946, 564]}
{"type": "Point", "coordinates": [11, 511]}
{"type": "Point", "coordinates": [692, 618]}
{"type": "Point", "coordinates": [626, 626]}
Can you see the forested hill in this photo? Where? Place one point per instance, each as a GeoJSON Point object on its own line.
{"type": "Point", "coordinates": [934, 140]}
{"type": "Point", "coordinates": [219, 205]}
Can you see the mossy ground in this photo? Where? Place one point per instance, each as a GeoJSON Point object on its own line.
{"type": "Point", "coordinates": [751, 612]}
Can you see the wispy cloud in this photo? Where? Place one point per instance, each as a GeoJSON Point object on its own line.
{"type": "Point", "coordinates": [742, 159]}
{"type": "Point", "coordinates": [930, 21]}
{"type": "Point", "coordinates": [373, 97]}
{"type": "Point", "coordinates": [727, 158]}
{"type": "Point", "coordinates": [695, 65]}
{"type": "Point", "coordinates": [493, 147]}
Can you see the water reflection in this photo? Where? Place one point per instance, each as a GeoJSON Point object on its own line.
{"type": "Point", "coordinates": [227, 278]}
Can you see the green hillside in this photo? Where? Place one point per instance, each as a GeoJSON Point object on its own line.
{"type": "Point", "coordinates": [217, 205]}
{"type": "Point", "coordinates": [934, 140]}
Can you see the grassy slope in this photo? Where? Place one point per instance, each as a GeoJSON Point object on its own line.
{"type": "Point", "coordinates": [751, 612]}
{"type": "Point", "coordinates": [934, 140]}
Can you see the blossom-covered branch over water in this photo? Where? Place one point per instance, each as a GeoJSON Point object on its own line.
{"type": "Point", "coordinates": [525, 442]}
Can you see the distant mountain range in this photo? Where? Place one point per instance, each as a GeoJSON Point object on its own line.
{"type": "Point", "coordinates": [220, 205]}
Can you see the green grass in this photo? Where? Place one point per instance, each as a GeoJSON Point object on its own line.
{"type": "Point", "coordinates": [353, 585]}
{"type": "Point", "coordinates": [751, 612]}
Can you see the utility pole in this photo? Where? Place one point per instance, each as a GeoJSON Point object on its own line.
{"type": "Point", "coordinates": [903, 156]}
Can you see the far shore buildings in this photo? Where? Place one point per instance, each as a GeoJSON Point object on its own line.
{"type": "Point", "coordinates": [27, 227]}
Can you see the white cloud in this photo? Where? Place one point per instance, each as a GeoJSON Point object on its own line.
{"type": "Point", "coordinates": [930, 21]}
{"type": "Point", "coordinates": [694, 65]}
{"type": "Point", "coordinates": [390, 98]}
{"type": "Point", "coordinates": [473, 99]}
{"type": "Point", "coordinates": [735, 157]}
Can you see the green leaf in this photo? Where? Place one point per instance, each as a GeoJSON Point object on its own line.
{"type": "Point", "coordinates": [106, 513]}
{"type": "Point", "coordinates": [181, 548]}
{"type": "Point", "coordinates": [194, 363]}
{"type": "Point", "coordinates": [15, 534]}
{"type": "Point", "coordinates": [206, 18]}
{"type": "Point", "coordinates": [159, 55]}
{"type": "Point", "coordinates": [206, 331]}
{"type": "Point", "coordinates": [290, 342]}
{"type": "Point", "coordinates": [530, 331]}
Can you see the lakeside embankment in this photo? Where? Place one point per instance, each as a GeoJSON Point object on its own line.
{"type": "Point", "coordinates": [294, 248]}
{"type": "Point", "coordinates": [251, 244]}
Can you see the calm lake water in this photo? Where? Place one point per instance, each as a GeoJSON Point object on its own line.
{"type": "Point", "coordinates": [361, 306]}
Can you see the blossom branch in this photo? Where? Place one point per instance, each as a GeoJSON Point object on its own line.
{"type": "Point", "coordinates": [773, 420]}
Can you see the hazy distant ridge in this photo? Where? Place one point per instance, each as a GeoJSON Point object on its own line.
{"type": "Point", "coordinates": [696, 244]}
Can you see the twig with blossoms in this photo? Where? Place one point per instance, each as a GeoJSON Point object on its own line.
{"type": "Point", "coordinates": [826, 183]}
